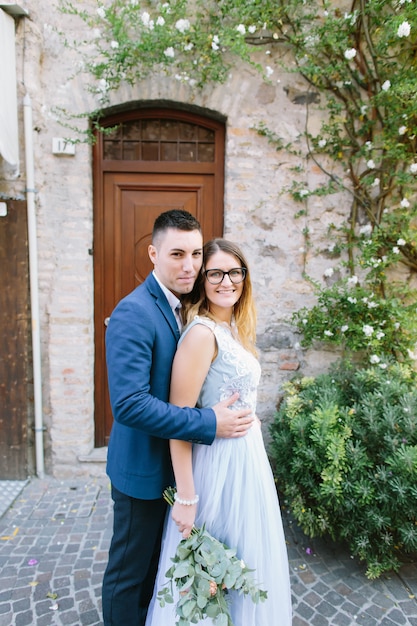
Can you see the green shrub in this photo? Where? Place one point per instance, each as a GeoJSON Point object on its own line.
{"type": "Point", "coordinates": [344, 447]}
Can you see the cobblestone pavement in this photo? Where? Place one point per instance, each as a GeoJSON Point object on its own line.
{"type": "Point", "coordinates": [53, 550]}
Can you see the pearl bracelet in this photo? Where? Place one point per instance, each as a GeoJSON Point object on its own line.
{"type": "Point", "coordinates": [186, 502]}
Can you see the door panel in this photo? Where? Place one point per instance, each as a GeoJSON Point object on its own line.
{"type": "Point", "coordinates": [15, 404]}
{"type": "Point", "coordinates": [137, 201]}
{"type": "Point", "coordinates": [129, 195]}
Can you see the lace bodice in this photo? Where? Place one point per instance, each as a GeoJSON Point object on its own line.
{"type": "Point", "coordinates": [233, 369]}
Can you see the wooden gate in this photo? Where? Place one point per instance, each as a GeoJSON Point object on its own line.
{"type": "Point", "coordinates": [155, 160]}
{"type": "Point", "coordinates": [15, 404]}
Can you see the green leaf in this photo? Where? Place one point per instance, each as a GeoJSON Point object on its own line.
{"type": "Point", "coordinates": [181, 569]}
{"type": "Point", "coordinates": [213, 610]}
{"type": "Point", "coordinates": [221, 620]}
{"type": "Point", "coordinates": [202, 600]}
{"type": "Point", "coordinates": [188, 608]}
{"type": "Point", "coordinates": [187, 583]}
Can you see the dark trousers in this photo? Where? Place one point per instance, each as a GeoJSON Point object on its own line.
{"type": "Point", "coordinates": [133, 559]}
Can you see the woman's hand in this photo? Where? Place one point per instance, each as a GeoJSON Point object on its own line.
{"type": "Point", "coordinates": [184, 516]}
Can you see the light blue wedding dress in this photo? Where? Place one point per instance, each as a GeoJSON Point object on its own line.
{"type": "Point", "coordinates": [238, 500]}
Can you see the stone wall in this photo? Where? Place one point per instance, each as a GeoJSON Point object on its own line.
{"type": "Point", "coordinates": [258, 215]}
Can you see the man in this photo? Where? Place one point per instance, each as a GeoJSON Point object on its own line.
{"type": "Point", "coordinates": [141, 341]}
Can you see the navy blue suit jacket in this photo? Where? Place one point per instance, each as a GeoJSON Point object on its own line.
{"type": "Point", "coordinates": [141, 340]}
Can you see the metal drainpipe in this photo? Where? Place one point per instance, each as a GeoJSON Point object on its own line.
{"type": "Point", "coordinates": [34, 292]}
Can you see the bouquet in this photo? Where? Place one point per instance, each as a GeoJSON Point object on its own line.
{"type": "Point", "coordinates": [204, 570]}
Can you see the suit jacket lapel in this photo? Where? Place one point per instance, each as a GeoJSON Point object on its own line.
{"type": "Point", "coordinates": [163, 304]}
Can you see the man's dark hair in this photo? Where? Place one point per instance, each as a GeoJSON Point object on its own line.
{"type": "Point", "coordinates": [176, 218]}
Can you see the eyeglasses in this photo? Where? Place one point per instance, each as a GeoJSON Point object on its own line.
{"type": "Point", "coordinates": [236, 275]}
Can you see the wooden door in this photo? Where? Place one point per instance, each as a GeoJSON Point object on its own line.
{"type": "Point", "coordinates": [156, 160]}
{"type": "Point", "coordinates": [15, 404]}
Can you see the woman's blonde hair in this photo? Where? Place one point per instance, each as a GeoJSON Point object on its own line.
{"type": "Point", "coordinates": [244, 311]}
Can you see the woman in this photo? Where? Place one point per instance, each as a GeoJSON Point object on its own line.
{"type": "Point", "coordinates": [236, 498]}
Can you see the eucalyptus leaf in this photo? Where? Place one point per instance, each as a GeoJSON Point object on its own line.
{"type": "Point", "coordinates": [222, 620]}
{"type": "Point", "coordinates": [213, 610]}
{"type": "Point", "coordinates": [218, 570]}
{"type": "Point", "coordinates": [181, 569]}
{"type": "Point", "coordinates": [203, 587]}
{"type": "Point", "coordinates": [187, 584]}
{"type": "Point", "coordinates": [188, 608]}
{"type": "Point", "coordinates": [229, 580]}
{"type": "Point", "coordinates": [202, 600]}
{"type": "Point", "coordinates": [183, 551]}
{"type": "Point", "coordinates": [201, 572]}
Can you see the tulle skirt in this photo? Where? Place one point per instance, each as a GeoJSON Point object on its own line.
{"type": "Point", "coordinates": [239, 506]}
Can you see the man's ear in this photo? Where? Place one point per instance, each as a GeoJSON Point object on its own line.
{"type": "Point", "coordinates": [152, 253]}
